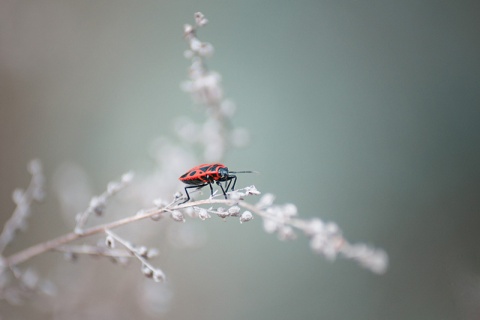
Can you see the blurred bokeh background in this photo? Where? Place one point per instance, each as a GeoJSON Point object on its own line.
{"type": "Point", "coordinates": [365, 113]}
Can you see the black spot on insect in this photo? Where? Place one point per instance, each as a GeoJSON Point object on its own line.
{"type": "Point", "coordinates": [214, 167]}
{"type": "Point", "coordinates": [183, 176]}
{"type": "Point", "coordinates": [204, 168]}
{"type": "Point", "coordinates": [192, 173]}
{"type": "Point", "coordinates": [194, 182]}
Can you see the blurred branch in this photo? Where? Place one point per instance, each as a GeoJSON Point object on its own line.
{"type": "Point", "coordinates": [23, 200]}
{"type": "Point", "coordinates": [325, 237]}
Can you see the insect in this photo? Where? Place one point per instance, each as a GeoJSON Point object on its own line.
{"type": "Point", "coordinates": [207, 174]}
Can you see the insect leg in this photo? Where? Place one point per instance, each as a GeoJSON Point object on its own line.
{"type": "Point", "coordinates": [211, 189]}
{"type": "Point", "coordinates": [230, 178]}
{"type": "Point", "coordinates": [190, 187]}
{"type": "Point", "coordinates": [223, 190]}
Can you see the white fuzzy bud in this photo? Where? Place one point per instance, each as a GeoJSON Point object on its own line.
{"type": "Point", "coordinates": [315, 226]}
{"type": "Point", "coordinates": [18, 196]}
{"type": "Point", "coordinates": [234, 211]}
{"type": "Point", "coordinates": [195, 44]}
{"type": "Point", "coordinates": [113, 187]}
{"type": "Point", "coordinates": [187, 29]}
{"type": "Point", "coordinates": [128, 177]}
{"type": "Point", "coordinates": [188, 54]}
{"type": "Point", "coordinates": [269, 225]}
{"type": "Point", "coordinates": [222, 213]}
{"type": "Point", "coordinates": [246, 216]}
{"type": "Point", "coordinates": [289, 210]}
{"type": "Point", "coordinates": [148, 272]}
{"type": "Point", "coordinates": [202, 213]}
{"type": "Point", "coordinates": [98, 205]}
{"type": "Point", "coordinates": [177, 216]}
{"type": "Point", "coordinates": [158, 275]}
{"type": "Point", "coordinates": [35, 167]}
{"type": "Point", "coordinates": [159, 203]}
{"type": "Point", "coordinates": [200, 19]}
{"type": "Point", "coordinates": [177, 195]}
{"type": "Point", "coordinates": [266, 200]}
{"type": "Point", "coordinates": [110, 241]}
{"type": "Point", "coordinates": [252, 191]}
{"type": "Point", "coordinates": [286, 233]}
{"type": "Point", "coordinates": [227, 108]}
{"type": "Point", "coordinates": [152, 252]}
{"type": "Point", "coordinates": [142, 251]}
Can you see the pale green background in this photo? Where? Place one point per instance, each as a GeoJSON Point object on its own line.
{"type": "Point", "coordinates": [361, 112]}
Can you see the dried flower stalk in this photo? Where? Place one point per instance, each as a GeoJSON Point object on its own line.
{"type": "Point", "coordinates": [214, 136]}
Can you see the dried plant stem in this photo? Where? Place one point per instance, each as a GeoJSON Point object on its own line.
{"type": "Point", "coordinates": [49, 245]}
{"type": "Point", "coordinates": [94, 251]}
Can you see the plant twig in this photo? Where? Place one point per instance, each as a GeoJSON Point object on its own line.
{"type": "Point", "coordinates": [49, 245]}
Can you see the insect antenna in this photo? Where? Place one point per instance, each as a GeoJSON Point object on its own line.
{"type": "Point", "coordinates": [244, 172]}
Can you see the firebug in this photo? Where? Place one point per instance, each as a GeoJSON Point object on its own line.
{"type": "Point", "coordinates": [207, 174]}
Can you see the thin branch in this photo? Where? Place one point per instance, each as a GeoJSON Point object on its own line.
{"type": "Point", "coordinates": [49, 245]}
{"type": "Point", "coordinates": [94, 251]}
{"type": "Point", "coordinates": [148, 269]}
{"type": "Point", "coordinates": [23, 199]}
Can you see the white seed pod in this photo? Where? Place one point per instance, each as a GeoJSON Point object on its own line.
{"type": "Point", "coordinates": [187, 29]}
{"type": "Point", "coordinates": [30, 279]}
{"type": "Point", "coordinates": [234, 211]}
{"type": "Point", "coordinates": [246, 216]}
{"type": "Point", "coordinates": [18, 196]}
{"type": "Point", "coordinates": [158, 275]}
{"type": "Point", "coordinates": [269, 225]}
{"type": "Point", "coordinates": [78, 217]}
{"type": "Point", "coordinates": [191, 212]}
{"type": "Point", "coordinates": [318, 243]}
{"type": "Point", "coordinates": [38, 194]}
{"type": "Point", "coordinates": [151, 253]}
{"type": "Point", "coordinates": [195, 44]}
{"type": "Point", "coordinates": [177, 195]}
{"type": "Point", "coordinates": [98, 205]}
{"type": "Point", "coordinates": [203, 214]}
{"type": "Point", "coordinates": [147, 272]}
{"type": "Point", "coordinates": [160, 203]}
{"type": "Point", "coordinates": [188, 54]}
{"type": "Point", "coordinates": [142, 251]}
{"type": "Point", "coordinates": [156, 217]}
{"type": "Point", "coordinates": [206, 49]}
{"type": "Point", "coordinates": [332, 229]}
{"type": "Point", "coordinates": [200, 19]}
{"type": "Point", "coordinates": [286, 233]}
{"type": "Point", "coordinates": [266, 200]}
{"type": "Point", "coordinates": [35, 167]}
{"type": "Point", "coordinates": [252, 190]}
{"type": "Point", "coordinates": [289, 210]}
{"type": "Point", "coordinates": [315, 226]}
{"type": "Point", "coordinates": [236, 195]}
{"type": "Point", "coordinates": [222, 213]}
{"type": "Point", "coordinates": [110, 242]}
{"type": "Point", "coordinates": [128, 177]}
{"type": "Point", "coordinates": [177, 216]}
{"type": "Point", "coordinates": [113, 187]}
{"type": "Point", "coordinates": [122, 260]}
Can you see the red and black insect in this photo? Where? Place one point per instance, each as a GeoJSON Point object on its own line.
{"type": "Point", "coordinates": [207, 174]}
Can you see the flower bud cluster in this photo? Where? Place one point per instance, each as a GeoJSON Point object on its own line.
{"type": "Point", "coordinates": [23, 200]}
{"type": "Point", "coordinates": [277, 218]}
{"type": "Point", "coordinates": [98, 204]}
{"type": "Point", "coordinates": [205, 88]}
{"type": "Point", "coordinates": [142, 253]}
